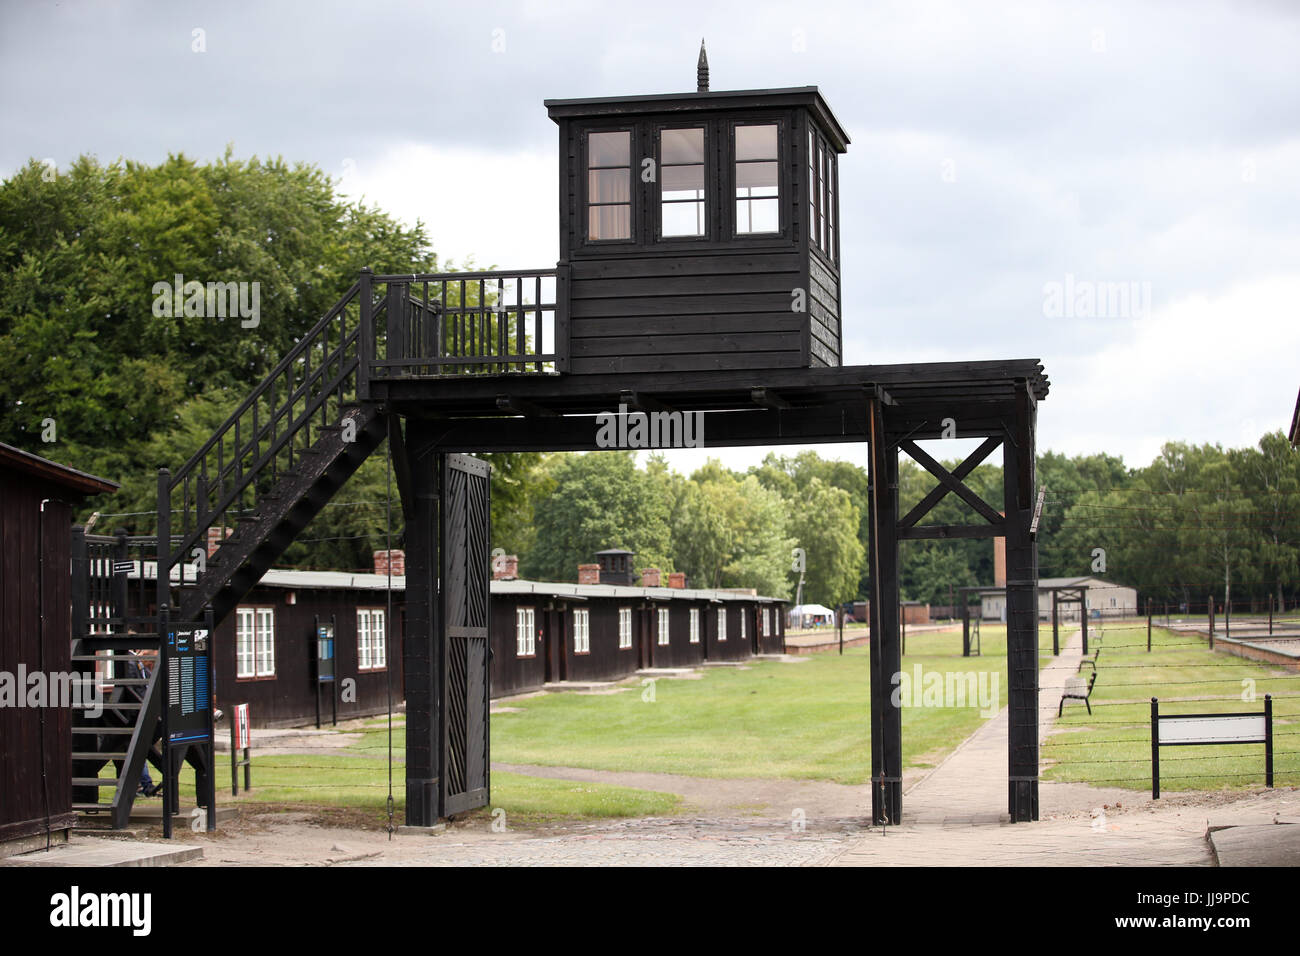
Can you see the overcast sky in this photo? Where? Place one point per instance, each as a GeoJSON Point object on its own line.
{"type": "Point", "coordinates": [1007, 158]}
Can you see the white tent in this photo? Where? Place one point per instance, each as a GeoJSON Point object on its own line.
{"type": "Point", "coordinates": [810, 615]}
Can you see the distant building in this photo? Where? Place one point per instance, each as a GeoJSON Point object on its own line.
{"type": "Point", "coordinates": [1106, 597]}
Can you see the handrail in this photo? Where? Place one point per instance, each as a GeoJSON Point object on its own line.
{"type": "Point", "coordinates": [285, 363]}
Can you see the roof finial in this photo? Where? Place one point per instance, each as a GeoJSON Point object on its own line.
{"type": "Point", "coordinates": [702, 71]}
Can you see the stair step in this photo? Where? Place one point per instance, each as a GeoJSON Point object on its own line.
{"type": "Point", "coordinates": [103, 730]}
{"type": "Point", "coordinates": [98, 754]}
{"type": "Point", "coordinates": [95, 782]}
{"type": "Point", "coordinates": [91, 807]}
{"type": "Point", "coordinates": [107, 705]}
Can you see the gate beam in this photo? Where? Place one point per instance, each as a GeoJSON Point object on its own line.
{"type": "Point", "coordinates": [886, 641]}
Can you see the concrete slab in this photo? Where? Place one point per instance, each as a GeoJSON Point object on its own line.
{"type": "Point", "coordinates": [90, 852]}
{"type": "Point", "coordinates": [1267, 844]}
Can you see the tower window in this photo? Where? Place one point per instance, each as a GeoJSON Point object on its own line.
{"type": "Point", "coordinates": [609, 185]}
{"type": "Point", "coordinates": [681, 167]}
{"type": "Point", "coordinates": [758, 202]}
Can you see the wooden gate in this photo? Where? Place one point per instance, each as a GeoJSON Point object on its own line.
{"type": "Point", "coordinates": [466, 665]}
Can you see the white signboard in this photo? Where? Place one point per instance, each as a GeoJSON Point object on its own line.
{"type": "Point", "coordinates": [1251, 728]}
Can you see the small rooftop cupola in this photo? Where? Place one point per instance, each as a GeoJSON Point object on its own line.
{"type": "Point", "coordinates": [615, 566]}
{"type": "Point", "coordinates": [701, 230]}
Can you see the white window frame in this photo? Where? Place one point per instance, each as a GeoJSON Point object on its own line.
{"type": "Point", "coordinates": [695, 625]}
{"type": "Point", "coordinates": [744, 626]}
{"type": "Point", "coordinates": [624, 628]}
{"type": "Point", "coordinates": [663, 627]}
{"type": "Point", "coordinates": [372, 639]}
{"type": "Point", "coordinates": [767, 622]}
{"type": "Point", "coordinates": [525, 632]}
{"type": "Point", "coordinates": [722, 625]}
{"type": "Point", "coordinates": [581, 630]}
{"type": "Point", "coordinates": [254, 642]}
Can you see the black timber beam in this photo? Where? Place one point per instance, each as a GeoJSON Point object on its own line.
{"type": "Point", "coordinates": [522, 406]}
{"type": "Point", "coordinates": [1022, 612]}
{"type": "Point", "coordinates": [886, 643]}
{"type": "Point", "coordinates": [831, 423]}
{"type": "Point", "coordinates": [949, 482]}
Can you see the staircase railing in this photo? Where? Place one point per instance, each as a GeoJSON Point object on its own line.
{"type": "Point", "coordinates": [264, 437]}
{"type": "Point", "coordinates": [385, 327]}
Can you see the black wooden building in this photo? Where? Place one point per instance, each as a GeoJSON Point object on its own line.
{"type": "Point", "coordinates": [37, 500]}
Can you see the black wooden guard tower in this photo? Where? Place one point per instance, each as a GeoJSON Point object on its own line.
{"type": "Point", "coordinates": [700, 272]}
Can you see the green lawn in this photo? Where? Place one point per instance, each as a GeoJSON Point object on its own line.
{"type": "Point", "coordinates": [795, 721]}
{"type": "Point", "coordinates": [1113, 746]}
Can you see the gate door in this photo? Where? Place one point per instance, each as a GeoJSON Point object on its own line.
{"type": "Point", "coordinates": [465, 608]}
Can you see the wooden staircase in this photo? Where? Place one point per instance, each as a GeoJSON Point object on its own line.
{"type": "Point", "coordinates": [265, 473]}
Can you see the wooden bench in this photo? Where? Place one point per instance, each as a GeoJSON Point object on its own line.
{"type": "Point", "coordinates": [1090, 660]}
{"type": "Point", "coordinates": [1074, 691]}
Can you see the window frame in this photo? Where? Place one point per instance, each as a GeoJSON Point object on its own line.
{"type": "Point", "coordinates": [624, 636]}
{"type": "Point", "coordinates": [526, 628]}
{"type": "Point", "coordinates": [782, 179]}
{"type": "Point", "coordinates": [722, 625]}
{"type": "Point", "coordinates": [694, 626]}
{"type": "Point", "coordinates": [382, 645]}
{"type": "Point", "coordinates": [584, 631]}
{"type": "Point", "coordinates": [635, 200]}
{"type": "Point", "coordinates": [709, 168]}
{"type": "Point", "coordinates": [664, 625]}
{"type": "Point", "coordinates": [259, 613]}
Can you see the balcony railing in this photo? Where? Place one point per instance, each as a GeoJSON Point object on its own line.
{"type": "Point", "coordinates": [464, 323]}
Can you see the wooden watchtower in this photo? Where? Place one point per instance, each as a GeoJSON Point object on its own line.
{"type": "Point", "coordinates": [701, 230]}
{"type": "Point", "coordinates": [700, 243]}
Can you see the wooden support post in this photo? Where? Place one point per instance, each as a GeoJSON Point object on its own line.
{"type": "Point", "coordinates": [1270, 614]}
{"type": "Point", "coordinates": [1148, 625]}
{"type": "Point", "coordinates": [422, 644]}
{"type": "Point", "coordinates": [965, 626]}
{"type": "Point", "coordinates": [1083, 618]}
{"type": "Point", "coordinates": [886, 649]}
{"type": "Point", "coordinates": [1056, 627]}
{"type": "Point", "coordinates": [1209, 603]}
{"type": "Point", "coordinates": [1022, 611]}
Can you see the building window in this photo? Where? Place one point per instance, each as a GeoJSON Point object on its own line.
{"type": "Point", "coordinates": [525, 632]}
{"type": "Point", "coordinates": [624, 628]}
{"type": "Point", "coordinates": [372, 639]}
{"type": "Point", "coordinates": [581, 631]}
{"type": "Point", "coordinates": [743, 624]}
{"type": "Point", "coordinates": [663, 627]}
{"type": "Point", "coordinates": [821, 194]}
{"type": "Point", "coordinates": [767, 622]}
{"type": "Point", "coordinates": [722, 624]}
{"type": "Point", "coordinates": [681, 183]}
{"type": "Point", "coordinates": [609, 185]}
{"type": "Point", "coordinates": [255, 642]}
{"type": "Point", "coordinates": [695, 625]}
{"type": "Point", "coordinates": [757, 178]}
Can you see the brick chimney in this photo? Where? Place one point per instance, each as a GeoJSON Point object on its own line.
{"type": "Point", "coordinates": [215, 536]}
{"type": "Point", "coordinates": [650, 577]}
{"type": "Point", "coordinates": [589, 574]}
{"type": "Point", "coordinates": [677, 579]}
{"type": "Point", "coordinates": [398, 561]}
{"type": "Point", "coordinates": [505, 568]}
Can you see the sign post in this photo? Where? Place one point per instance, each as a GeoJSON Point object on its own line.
{"type": "Point", "coordinates": [323, 659]}
{"type": "Point", "coordinates": [241, 738]}
{"type": "Point", "coordinates": [187, 713]}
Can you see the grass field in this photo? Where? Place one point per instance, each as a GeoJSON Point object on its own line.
{"type": "Point", "coordinates": [811, 721]}
{"type": "Point", "coordinates": [1113, 746]}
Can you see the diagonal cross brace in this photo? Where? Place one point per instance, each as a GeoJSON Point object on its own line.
{"type": "Point", "coordinates": [950, 481]}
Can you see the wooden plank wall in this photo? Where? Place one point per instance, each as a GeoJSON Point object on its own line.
{"type": "Point", "coordinates": [35, 767]}
{"type": "Point", "coordinates": [655, 313]}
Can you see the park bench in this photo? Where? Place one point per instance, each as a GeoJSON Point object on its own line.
{"type": "Point", "coordinates": [1074, 690]}
{"type": "Point", "coordinates": [1090, 659]}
